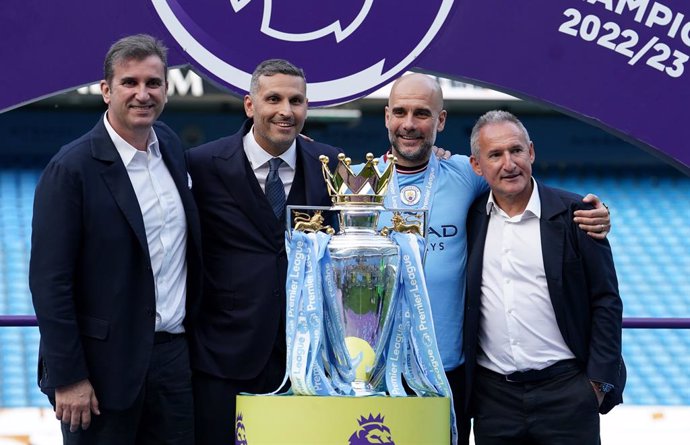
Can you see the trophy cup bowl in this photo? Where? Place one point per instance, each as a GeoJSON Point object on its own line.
{"type": "Point", "coordinates": [365, 271]}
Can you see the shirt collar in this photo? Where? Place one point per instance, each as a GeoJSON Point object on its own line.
{"type": "Point", "coordinates": [533, 205]}
{"type": "Point", "coordinates": [125, 149]}
{"type": "Point", "coordinates": [258, 157]}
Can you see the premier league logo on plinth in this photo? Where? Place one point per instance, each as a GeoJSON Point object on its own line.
{"type": "Point", "coordinates": [358, 316]}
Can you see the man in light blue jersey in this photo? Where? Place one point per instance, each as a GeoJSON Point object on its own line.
{"type": "Point", "coordinates": [447, 188]}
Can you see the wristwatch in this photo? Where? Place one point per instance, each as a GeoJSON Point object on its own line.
{"type": "Point", "coordinates": [603, 387]}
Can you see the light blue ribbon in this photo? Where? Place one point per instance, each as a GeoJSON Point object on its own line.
{"type": "Point", "coordinates": [317, 361]}
{"type": "Point", "coordinates": [413, 351]}
{"type": "Point", "coordinates": [430, 182]}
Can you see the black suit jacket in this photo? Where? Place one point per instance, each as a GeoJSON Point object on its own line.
{"type": "Point", "coordinates": [243, 304]}
{"type": "Point", "coordinates": [90, 272]}
{"type": "Point", "coordinates": [582, 283]}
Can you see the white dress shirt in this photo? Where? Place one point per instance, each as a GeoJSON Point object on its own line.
{"type": "Point", "coordinates": [258, 159]}
{"type": "Point", "coordinates": [517, 329]}
{"type": "Point", "coordinates": [165, 223]}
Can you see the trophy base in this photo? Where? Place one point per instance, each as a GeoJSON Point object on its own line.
{"type": "Point", "coordinates": [363, 389]}
{"type": "Point", "coordinates": [309, 420]}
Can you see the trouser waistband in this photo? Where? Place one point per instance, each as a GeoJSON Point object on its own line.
{"type": "Point", "coordinates": [534, 375]}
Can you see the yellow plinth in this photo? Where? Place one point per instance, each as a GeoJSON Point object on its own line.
{"type": "Point", "coordinates": [264, 420]}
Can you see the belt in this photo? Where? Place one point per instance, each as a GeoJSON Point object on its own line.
{"type": "Point", "coordinates": [165, 337]}
{"type": "Point", "coordinates": [535, 375]}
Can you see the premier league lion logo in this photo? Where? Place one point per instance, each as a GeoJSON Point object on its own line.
{"type": "Point", "coordinates": [371, 431]}
{"type": "Point", "coordinates": [240, 432]}
{"type": "Point", "coordinates": [347, 48]}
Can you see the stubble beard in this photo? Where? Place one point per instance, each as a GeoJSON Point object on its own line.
{"type": "Point", "coordinates": [418, 156]}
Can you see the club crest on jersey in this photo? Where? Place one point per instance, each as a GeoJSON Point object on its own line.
{"type": "Point", "coordinates": [346, 48]}
{"type": "Point", "coordinates": [410, 194]}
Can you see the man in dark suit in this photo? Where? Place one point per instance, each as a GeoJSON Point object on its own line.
{"type": "Point", "coordinates": [115, 267]}
{"type": "Point", "coordinates": [241, 185]}
{"type": "Point", "coordinates": [543, 313]}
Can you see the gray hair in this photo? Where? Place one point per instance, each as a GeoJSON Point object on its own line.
{"type": "Point", "coordinates": [271, 67]}
{"type": "Point", "coordinates": [137, 47]}
{"type": "Point", "coordinates": [494, 117]}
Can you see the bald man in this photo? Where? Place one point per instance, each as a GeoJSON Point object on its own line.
{"type": "Point", "coordinates": [446, 188]}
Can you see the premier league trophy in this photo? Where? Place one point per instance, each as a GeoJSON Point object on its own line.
{"type": "Point", "coordinates": [358, 317]}
{"type": "Point", "coordinates": [365, 265]}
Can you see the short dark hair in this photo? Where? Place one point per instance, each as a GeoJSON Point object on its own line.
{"type": "Point", "coordinates": [271, 67]}
{"type": "Point", "coordinates": [138, 47]}
{"type": "Point", "coordinates": [494, 117]}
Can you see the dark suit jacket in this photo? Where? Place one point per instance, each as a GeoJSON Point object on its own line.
{"type": "Point", "coordinates": [243, 304]}
{"type": "Point", "coordinates": [582, 283]}
{"type": "Point", "coordinates": [90, 272]}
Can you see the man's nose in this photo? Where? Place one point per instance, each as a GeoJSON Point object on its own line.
{"type": "Point", "coordinates": [285, 108]}
{"type": "Point", "coordinates": [142, 93]}
{"type": "Point", "coordinates": [408, 122]}
{"type": "Point", "coordinates": [508, 162]}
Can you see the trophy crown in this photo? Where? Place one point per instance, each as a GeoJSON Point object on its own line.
{"type": "Point", "coordinates": [366, 188]}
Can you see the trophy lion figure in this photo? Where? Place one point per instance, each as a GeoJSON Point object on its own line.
{"type": "Point", "coordinates": [307, 224]}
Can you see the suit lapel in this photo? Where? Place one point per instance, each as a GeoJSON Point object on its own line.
{"type": "Point", "coordinates": [314, 184]}
{"type": "Point", "coordinates": [117, 181]}
{"type": "Point", "coordinates": [553, 241]}
{"type": "Point", "coordinates": [240, 181]}
{"type": "Point", "coordinates": [475, 259]}
{"type": "Point", "coordinates": [180, 178]}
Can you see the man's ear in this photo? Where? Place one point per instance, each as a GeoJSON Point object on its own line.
{"type": "Point", "coordinates": [105, 91]}
{"type": "Point", "coordinates": [441, 120]}
{"type": "Point", "coordinates": [475, 166]}
{"type": "Point", "coordinates": [532, 153]}
{"type": "Point", "coordinates": [248, 106]}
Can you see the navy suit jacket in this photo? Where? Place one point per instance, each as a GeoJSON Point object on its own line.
{"type": "Point", "coordinates": [582, 283]}
{"type": "Point", "coordinates": [243, 304]}
{"type": "Point", "coordinates": [90, 272]}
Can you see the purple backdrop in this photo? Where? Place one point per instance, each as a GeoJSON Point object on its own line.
{"type": "Point", "coordinates": [619, 64]}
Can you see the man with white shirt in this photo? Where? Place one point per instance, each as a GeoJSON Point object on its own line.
{"type": "Point", "coordinates": [242, 184]}
{"type": "Point", "coordinates": [115, 266]}
{"type": "Point", "coordinates": [543, 313]}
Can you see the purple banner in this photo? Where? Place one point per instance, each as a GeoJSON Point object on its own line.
{"type": "Point", "coordinates": [619, 64]}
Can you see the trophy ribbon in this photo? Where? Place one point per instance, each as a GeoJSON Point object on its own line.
{"type": "Point", "coordinates": [308, 357]}
{"type": "Point", "coordinates": [413, 337]}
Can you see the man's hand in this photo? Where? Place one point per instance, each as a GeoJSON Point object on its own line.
{"type": "Point", "coordinates": [596, 222]}
{"type": "Point", "coordinates": [597, 391]}
{"type": "Point", "coordinates": [75, 403]}
{"type": "Point", "coordinates": [440, 153]}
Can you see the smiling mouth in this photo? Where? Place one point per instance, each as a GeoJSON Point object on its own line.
{"type": "Point", "coordinates": [284, 124]}
{"type": "Point", "coordinates": [517, 175]}
{"type": "Point", "coordinates": [407, 139]}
